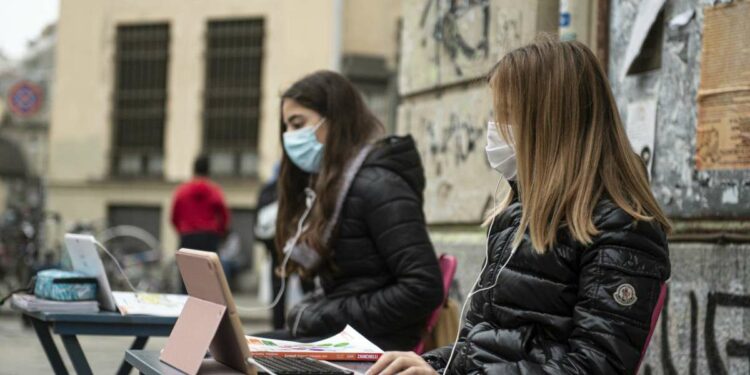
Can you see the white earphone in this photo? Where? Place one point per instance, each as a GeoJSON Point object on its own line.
{"type": "Point", "coordinates": [289, 248]}
{"type": "Point", "coordinates": [479, 277]}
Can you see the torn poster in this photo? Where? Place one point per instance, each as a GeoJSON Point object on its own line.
{"type": "Point", "coordinates": [641, 129]}
{"type": "Point", "coordinates": [723, 134]}
{"type": "Point", "coordinates": [647, 12]}
{"type": "Point", "coordinates": [681, 19]}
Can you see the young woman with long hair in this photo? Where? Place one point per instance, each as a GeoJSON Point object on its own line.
{"type": "Point", "coordinates": [577, 254]}
{"type": "Point", "coordinates": [350, 212]}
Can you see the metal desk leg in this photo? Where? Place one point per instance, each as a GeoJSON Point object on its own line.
{"type": "Point", "coordinates": [48, 344]}
{"type": "Point", "coordinates": [76, 354]}
{"type": "Point", "coordinates": [139, 343]}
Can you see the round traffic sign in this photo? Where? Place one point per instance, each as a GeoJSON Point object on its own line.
{"type": "Point", "coordinates": [25, 98]}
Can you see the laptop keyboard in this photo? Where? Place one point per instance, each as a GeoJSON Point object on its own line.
{"type": "Point", "coordinates": [298, 365]}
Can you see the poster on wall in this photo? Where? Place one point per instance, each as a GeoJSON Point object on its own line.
{"type": "Point", "coordinates": [723, 134]}
{"type": "Point", "coordinates": [641, 129]}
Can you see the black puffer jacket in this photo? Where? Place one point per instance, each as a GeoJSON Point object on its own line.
{"type": "Point", "coordinates": [385, 279]}
{"type": "Point", "coordinates": [573, 310]}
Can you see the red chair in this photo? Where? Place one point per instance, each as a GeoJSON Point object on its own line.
{"type": "Point", "coordinates": [654, 318]}
{"type": "Point", "coordinates": [448, 264]}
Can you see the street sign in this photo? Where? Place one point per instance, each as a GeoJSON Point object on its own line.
{"type": "Point", "coordinates": [25, 98]}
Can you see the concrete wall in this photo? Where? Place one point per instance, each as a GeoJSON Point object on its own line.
{"type": "Point", "coordinates": [451, 134]}
{"type": "Point", "coordinates": [444, 44]}
{"type": "Point", "coordinates": [705, 325]}
{"type": "Point", "coordinates": [445, 53]}
{"type": "Point", "coordinates": [370, 28]}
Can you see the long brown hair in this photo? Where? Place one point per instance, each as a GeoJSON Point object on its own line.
{"type": "Point", "coordinates": [351, 125]}
{"type": "Point", "coordinates": [570, 144]}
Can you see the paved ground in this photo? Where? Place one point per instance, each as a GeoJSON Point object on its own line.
{"type": "Point", "coordinates": [21, 353]}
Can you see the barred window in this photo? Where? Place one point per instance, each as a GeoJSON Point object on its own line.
{"type": "Point", "coordinates": [140, 99]}
{"type": "Point", "coordinates": [231, 103]}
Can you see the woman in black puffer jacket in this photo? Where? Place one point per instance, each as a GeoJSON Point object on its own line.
{"type": "Point", "coordinates": [363, 230]}
{"type": "Point", "coordinates": [577, 256]}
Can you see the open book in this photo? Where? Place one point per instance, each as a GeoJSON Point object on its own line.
{"type": "Point", "coordinates": [169, 305]}
{"type": "Point", "coordinates": [347, 345]}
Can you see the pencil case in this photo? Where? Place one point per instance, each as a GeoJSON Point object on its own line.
{"type": "Point", "coordinates": [62, 285]}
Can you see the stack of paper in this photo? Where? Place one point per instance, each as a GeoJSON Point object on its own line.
{"type": "Point", "coordinates": [169, 305]}
{"type": "Point", "coordinates": [28, 302]}
{"type": "Point", "coordinates": [348, 345]}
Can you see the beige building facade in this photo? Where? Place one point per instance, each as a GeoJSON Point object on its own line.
{"type": "Point", "coordinates": [94, 173]}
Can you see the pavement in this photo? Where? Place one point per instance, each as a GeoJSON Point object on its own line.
{"type": "Point", "coordinates": [21, 352]}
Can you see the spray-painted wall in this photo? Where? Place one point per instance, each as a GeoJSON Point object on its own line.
{"type": "Point", "coordinates": [451, 141]}
{"type": "Point", "coordinates": [705, 326]}
{"type": "Point", "coordinates": [447, 49]}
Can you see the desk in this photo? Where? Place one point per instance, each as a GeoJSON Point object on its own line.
{"type": "Point", "coordinates": [148, 363]}
{"type": "Point", "coordinates": [68, 326]}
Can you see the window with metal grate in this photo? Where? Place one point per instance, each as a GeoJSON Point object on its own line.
{"type": "Point", "coordinates": [140, 97]}
{"type": "Point", "coordinates": [231, 103]}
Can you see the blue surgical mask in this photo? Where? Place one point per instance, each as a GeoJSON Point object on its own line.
{"type": "Point", "coordinates": [304, 149]}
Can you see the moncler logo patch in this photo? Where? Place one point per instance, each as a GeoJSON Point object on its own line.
{"type": "Point", "coordinates": [625, 295]}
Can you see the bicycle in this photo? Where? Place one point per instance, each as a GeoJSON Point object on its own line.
{"type": "Point", "coordinates": [138, 252]}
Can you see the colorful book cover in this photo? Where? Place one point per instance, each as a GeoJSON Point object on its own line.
{"type": "Point", "coordinates": [169, 305]}
{"type": "Point", "coordinates": [348, 345]}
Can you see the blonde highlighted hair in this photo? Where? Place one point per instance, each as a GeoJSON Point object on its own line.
{"type": "Point", "coordinates": [570, 144]}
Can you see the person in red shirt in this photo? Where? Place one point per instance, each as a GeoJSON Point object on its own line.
{"type": "Point", "coordinates": [199, 212]}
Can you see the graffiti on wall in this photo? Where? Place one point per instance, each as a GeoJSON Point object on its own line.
{"type": "Point", "coordinates": [460, 28]}
{"type": "Point", "coordinates": [704, 327]}
{"type": "Point", "coordinates": [700, 335]}
{"type": "Point", "coordinates": [451, 135]}
{"type": "Point", "coordinates": [450, 146]}
{"type": "Point", "coordinates": [448, 41]}
{"type": "Point", "coordinates": [447, 48]}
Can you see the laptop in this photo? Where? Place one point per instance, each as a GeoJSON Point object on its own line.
{"type": "Point", "coordinates": [85, 259]}
{"type": "Point", "coordinates": [204, 279]}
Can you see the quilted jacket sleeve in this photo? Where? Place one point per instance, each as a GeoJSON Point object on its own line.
{"type": "Point", "coordinates": [619, 290]}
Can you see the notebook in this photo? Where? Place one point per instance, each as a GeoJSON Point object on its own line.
{"type": "Point", "coordinates": [31, 303]}
{"type": "Point", "coordinates": [85, 259]}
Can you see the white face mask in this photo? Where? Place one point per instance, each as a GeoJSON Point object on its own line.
{"type": "Point", "coordinates": [500, 154]}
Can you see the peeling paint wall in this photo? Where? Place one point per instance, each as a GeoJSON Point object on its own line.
{"type": "Point", "coordinates": [682, 191]}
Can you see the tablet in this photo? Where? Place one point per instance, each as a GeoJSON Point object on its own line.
{"type": "Point", "coordinates": [204, 279]}
{"type": "Point", "coordinates": [85, 259]}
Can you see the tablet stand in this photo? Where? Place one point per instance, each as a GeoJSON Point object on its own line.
{"type": "Point", "coordinates": [192, 334]}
